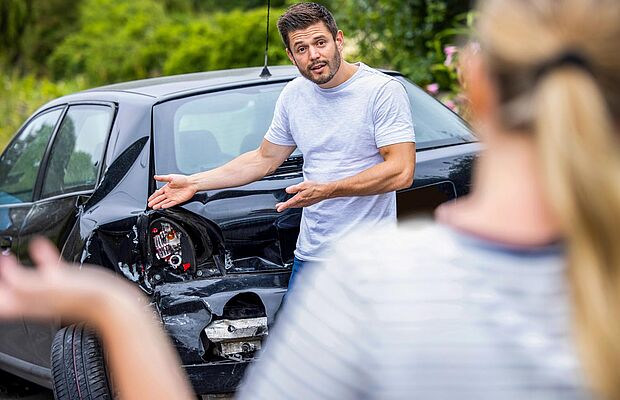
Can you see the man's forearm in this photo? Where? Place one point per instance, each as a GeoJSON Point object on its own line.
{"type": "Point", "coordinates": [381, 178]}
{"type": "Point", "coordinates": [395, 172]}
{"type": "Point", "coordinates": [246, 168]}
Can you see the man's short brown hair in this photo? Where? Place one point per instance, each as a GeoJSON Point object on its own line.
{"type": "Point", "coordinates": [302, 15]}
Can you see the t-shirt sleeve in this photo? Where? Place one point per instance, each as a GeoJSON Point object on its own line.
{"type": "Point", "coordinates": [392, 115]}
{"type": "Point", "coordinates": [279, 131]}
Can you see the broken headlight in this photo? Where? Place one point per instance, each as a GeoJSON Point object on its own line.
{"type": "Point", "coordinates": [172, 249]}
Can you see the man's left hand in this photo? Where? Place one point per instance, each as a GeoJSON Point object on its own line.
{"type": "Point", "coordinates": [307, 194]}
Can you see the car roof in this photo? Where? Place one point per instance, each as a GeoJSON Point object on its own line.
{"type": "Point", "coordinates": [171, 85]}
{"type": "Point", "coordinates": [155, 90]}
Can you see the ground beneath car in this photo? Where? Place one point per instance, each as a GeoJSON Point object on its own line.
{"type": "Point", "coordinates": [13, 388]}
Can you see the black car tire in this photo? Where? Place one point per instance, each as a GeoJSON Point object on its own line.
{"type": "Point", "coordinates": [78, 366]}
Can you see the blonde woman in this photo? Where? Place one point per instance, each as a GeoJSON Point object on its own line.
{"type": "Point", "coordinates": [515, 292]}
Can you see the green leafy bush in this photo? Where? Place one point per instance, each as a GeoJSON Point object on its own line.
{"type": "Point", "coordinates": [226, 40]}
{"type": "Point", "coordinates": [211, 6]}
{"type": "Point", "coordinates": [131, 39]}
{"type": "Point", "coordinates": [407, 35]}
{"type": "Point", "coordinates": [13, 21]}
{"type": "Point", "coordinates": [111, 33]}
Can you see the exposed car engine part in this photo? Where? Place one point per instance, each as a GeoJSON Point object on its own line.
{"type": "Point", "coordinates": [167, 244]}
{"type": "Point", "coordinates": [238, 337]}
{"type": "Point", "coordinates": [172, 248]}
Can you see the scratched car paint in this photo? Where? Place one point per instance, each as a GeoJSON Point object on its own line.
{"type": "Point", "coordinates": [217, 267]}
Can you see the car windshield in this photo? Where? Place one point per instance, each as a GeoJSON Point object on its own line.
{"type": "Point", "coordinates": [205, 131]}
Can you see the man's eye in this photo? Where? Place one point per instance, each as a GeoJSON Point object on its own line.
{"type": "Point", "coordinates": [321, 42]}
{"type": "Point", "coordinates": [301, 49]}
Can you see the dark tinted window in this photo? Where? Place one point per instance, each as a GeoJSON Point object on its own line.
{"type": "Point", "coordinates": [20, 162]}
{"type": "Point", "coordinates": [77, 150]}
{"type": "Point", "coordinates": [206, 131]}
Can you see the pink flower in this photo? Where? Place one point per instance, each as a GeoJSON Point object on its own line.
{"type": "Point", "coordinates": [449, 51]}
{"type": "Point", "coordinates": [433, 88]}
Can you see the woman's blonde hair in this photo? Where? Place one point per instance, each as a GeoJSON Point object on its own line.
{"type": "Point", "coordinates": [556, 64]}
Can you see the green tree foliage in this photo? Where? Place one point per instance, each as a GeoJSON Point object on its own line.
{"type": "Point", "coordinates": [211, 6]}
{"type": "Point", "coordinates": [51, 21]}
{"type": "Point", "coordinates": [30, 30]}
{"type": "Point", "coordinates": [225, 40]}
{"type": "Point", "coordinates": [111, 33]}
{"type": "Point", "coordinates": [14, 17]}
{"type": "Point", "coordinates": [407, 35]}
{"type": "Point", "coordinates": [130, 39]}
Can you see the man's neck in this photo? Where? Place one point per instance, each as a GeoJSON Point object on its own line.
{"type": "Point", "coordinates": [345, 72]}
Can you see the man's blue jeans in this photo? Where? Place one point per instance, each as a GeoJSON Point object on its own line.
{"type": "Point", "coordinates": [298, 265]}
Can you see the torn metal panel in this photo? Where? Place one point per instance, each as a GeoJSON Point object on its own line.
{"type": "Point", "coordinates": [235, 338]}
{"type": "Point", "coordinates": [187, 308]}
{"type": "Point", "coordinates": [227, 330]}
{"type": "Point", "coordinates": [222, 377]}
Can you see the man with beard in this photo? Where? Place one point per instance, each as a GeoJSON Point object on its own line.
{"type": "Point", "coordinates": [351, 123]}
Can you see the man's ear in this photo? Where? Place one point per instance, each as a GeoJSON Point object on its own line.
{"type": "Point", "coordinates": [290, 56]}
{"type": "Point", "coordinates": [340, 40]}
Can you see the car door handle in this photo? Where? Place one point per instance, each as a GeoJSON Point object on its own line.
{"type": "Point", "coordinates": [6, 242]}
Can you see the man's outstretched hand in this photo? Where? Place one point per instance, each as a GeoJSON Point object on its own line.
{"type": "Point", "coordinates": [178, 189]}
{"type": "Point", "coordinates": [307, 194]}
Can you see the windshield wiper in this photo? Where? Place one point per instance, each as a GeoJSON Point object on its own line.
{"type": "Point", "coordinates": [291, 164]}
{"type": "Point", "coordinates": [297, 159]}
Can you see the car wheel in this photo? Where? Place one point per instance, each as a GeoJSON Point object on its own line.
{"type": "Point", "coordinates": [78, 366]}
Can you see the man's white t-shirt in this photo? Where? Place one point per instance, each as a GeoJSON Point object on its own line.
{"type": "Point", "coordinates": [339, 132]}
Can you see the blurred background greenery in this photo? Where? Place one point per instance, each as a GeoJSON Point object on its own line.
{"type": "Point", "coordinates": [52, 47]}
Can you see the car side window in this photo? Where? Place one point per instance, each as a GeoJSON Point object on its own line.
{"type": "Point", "coordinates": [77, 150]}
{"type": "Point", "coordinates": [20, 162]}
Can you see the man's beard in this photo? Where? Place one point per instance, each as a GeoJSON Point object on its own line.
{"type": "Point", "coordinates": [331, 67]}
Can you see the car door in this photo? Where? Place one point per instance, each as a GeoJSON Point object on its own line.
{"type": "Point", "coordinates": [70, 175]}
{"type": "Point", "coordinates": [19, 169]}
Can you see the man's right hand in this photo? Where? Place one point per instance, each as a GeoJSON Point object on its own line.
{"type": "Point", "coordinates": [178, 189]}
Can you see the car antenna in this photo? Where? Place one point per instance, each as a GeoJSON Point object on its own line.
{"type": "Point", "coordinates": [265, 72]}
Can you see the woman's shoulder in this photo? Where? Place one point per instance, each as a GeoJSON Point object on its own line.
{"type": "Point", "coordinates": [405, 238]}
{"type": "Point", "coordinates": [403, 249]}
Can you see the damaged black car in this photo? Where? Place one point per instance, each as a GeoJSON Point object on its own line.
{"type": "Point", "coordinates": [216, 268]}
